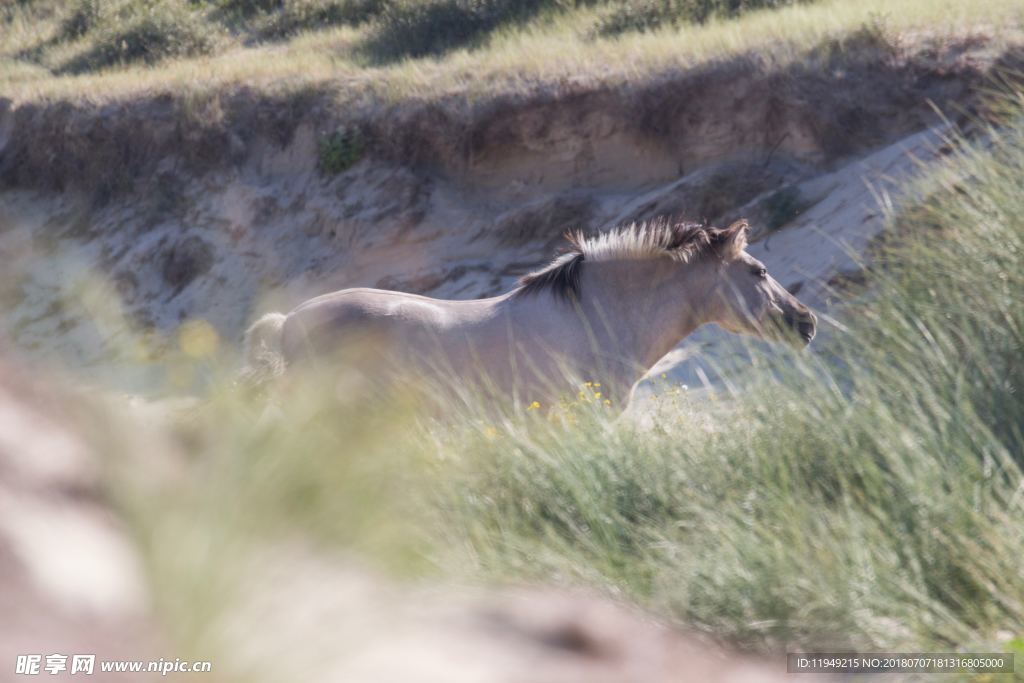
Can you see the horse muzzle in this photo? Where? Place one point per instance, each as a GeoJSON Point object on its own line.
{"type": "Point", "coordinates": [804, 323]}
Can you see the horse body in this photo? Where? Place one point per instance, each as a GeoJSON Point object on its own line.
{"type": "Point", "coordinates": [606, 314]}
{"type": "Point", "coordinates": [514, 344]}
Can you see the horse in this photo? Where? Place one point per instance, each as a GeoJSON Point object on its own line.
{"type": "Point", "coordinates": [606, 310]}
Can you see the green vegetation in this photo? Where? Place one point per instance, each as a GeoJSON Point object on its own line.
{"type": "Point", "coordinates": [294, 16]}
{"type": "Point", "coordinates": [114, 32]}
{"type": "Point", "coordinates": [137, 32]}
{"type": "Point", "coordinates": [400, 28]}
{"type": "Point", "coordinates": [85, 15]}
{"type": "Point", "coordinates": [867, 496]}
{"type": "Point", "coordinates": [417, 28]}
{"type": "Point", "coordinates": [340, 150]}
{"type": "Point", "coordinates": [871, 501]}
{"type": "Point", "coordinates": [650, 15]}
{"type": "Point", "coordinates": [405, 49]}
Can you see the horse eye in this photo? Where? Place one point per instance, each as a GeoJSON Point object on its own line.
{"type": "Point", "coordinates": [761, 273]}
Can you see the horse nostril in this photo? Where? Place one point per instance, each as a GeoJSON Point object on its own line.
{"type": "Point", "coordinates": [801, 321]}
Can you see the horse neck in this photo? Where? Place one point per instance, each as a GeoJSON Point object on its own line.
{"type": "Point", "coordinates": [640, 309]}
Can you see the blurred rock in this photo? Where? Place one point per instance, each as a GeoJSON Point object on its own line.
{"type": "Point", "coordinates": [315, 620]}
{"type": "Point", "coordinates": [70, 580]}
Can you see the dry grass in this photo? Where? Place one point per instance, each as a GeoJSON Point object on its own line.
{"type": "Point", "coordinates": [559, 50]}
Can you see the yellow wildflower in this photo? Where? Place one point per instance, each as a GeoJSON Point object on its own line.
{"type": "Point", "coordinates": [198, 339]}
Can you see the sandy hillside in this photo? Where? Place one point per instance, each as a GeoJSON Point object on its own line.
{"type": "Point", "coordinates": [122, 221]}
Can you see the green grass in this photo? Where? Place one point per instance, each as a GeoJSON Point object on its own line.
{"type": "Point", "coordinates": [651, 15]}
{"type": "Point", "coordinates": [874, 502]}
{"type": "Point", "coordinates": [340, 150]}
{"type": "Point", "coordinates": [103, 33]}
{"type": "Point", "coordinates": [147, 33]}
{"type": "Point", "coordinates": [869, 496]}
{"type": "Point", "coordinates": [50, 48]}
{"type": "Point", "coordinates": [296, 16]}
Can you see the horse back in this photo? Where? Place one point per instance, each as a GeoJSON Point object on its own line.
{"type": "Point", "coordinates": [377, 321]}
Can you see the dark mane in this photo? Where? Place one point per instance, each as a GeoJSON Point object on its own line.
{"type": "Point", "coordinates": [658, 238]}
{"type": "Point", "coordinates": [561, 278]}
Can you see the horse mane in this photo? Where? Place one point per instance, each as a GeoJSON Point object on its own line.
{"type": "Point", "coordinates": [659, 238]}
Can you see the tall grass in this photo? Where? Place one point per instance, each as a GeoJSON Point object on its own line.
{"type": "Point", "coordinates": [870, 496]}
{"type": "Point", "coordinates": [874, 500]}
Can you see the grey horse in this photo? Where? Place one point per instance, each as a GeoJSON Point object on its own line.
{"type": "Point", "coordinates": [605, 311]}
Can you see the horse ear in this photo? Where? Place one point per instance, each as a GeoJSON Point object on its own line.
{"type": "Point", "coordinates": [734, 239]}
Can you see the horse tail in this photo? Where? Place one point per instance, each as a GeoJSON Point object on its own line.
{"type": "Point", "coordinates": [264, 358]}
